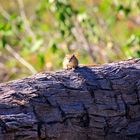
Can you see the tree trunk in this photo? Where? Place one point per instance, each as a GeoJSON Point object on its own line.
{"type": "Point", "coordinates": [88, 103]}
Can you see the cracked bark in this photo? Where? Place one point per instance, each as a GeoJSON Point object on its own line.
{"type": "Point", "coordinates": [96, 103]}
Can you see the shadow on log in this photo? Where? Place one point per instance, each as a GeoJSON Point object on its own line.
{"type": "Point", "coordinates": [96, 103]}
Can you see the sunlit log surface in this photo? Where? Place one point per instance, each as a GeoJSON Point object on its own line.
{"type": "Point", "coordinates": [89, 103]}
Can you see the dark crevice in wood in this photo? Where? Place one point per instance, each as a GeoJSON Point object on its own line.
{"type": "Point", "coordinates": [126, 108]}
{"type": "Point", "coordinates": [3, 126]}
{"type": "Point", "coordinates": [85, 119]}
{"type": "Point", "coordinates": [39, 122]}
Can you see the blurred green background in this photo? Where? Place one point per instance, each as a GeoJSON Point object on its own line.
{"type": "Point", "coordinates": [35, 35]}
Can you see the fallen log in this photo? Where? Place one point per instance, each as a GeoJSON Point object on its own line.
{"type": "Point", "coordinates": [88, 103]}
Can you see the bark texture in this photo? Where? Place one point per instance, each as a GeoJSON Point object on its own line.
{"type": "Point", "coordinates": [96, 103]}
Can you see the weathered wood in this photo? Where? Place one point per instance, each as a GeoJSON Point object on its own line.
{"type": "Point", "coordinates": [98, 103]}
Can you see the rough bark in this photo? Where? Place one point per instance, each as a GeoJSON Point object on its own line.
{"type": "Point", "coordinates": [96, 103]}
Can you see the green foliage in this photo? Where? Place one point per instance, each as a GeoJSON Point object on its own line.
{"type": "Point", "coordinates": [41, 36]}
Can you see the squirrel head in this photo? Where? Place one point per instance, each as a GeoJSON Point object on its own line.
{"type": "Point", "coordinates": [70, 57]}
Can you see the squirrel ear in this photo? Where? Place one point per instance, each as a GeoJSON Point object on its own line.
{"type": "Point", "coordinates": [73, 55]}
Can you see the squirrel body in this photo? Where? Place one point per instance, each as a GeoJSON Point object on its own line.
{"type": "Point", "coordinates": [71, 62]}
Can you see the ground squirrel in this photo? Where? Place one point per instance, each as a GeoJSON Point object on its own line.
{"type": "Point", "coordinates": [71, 62]}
